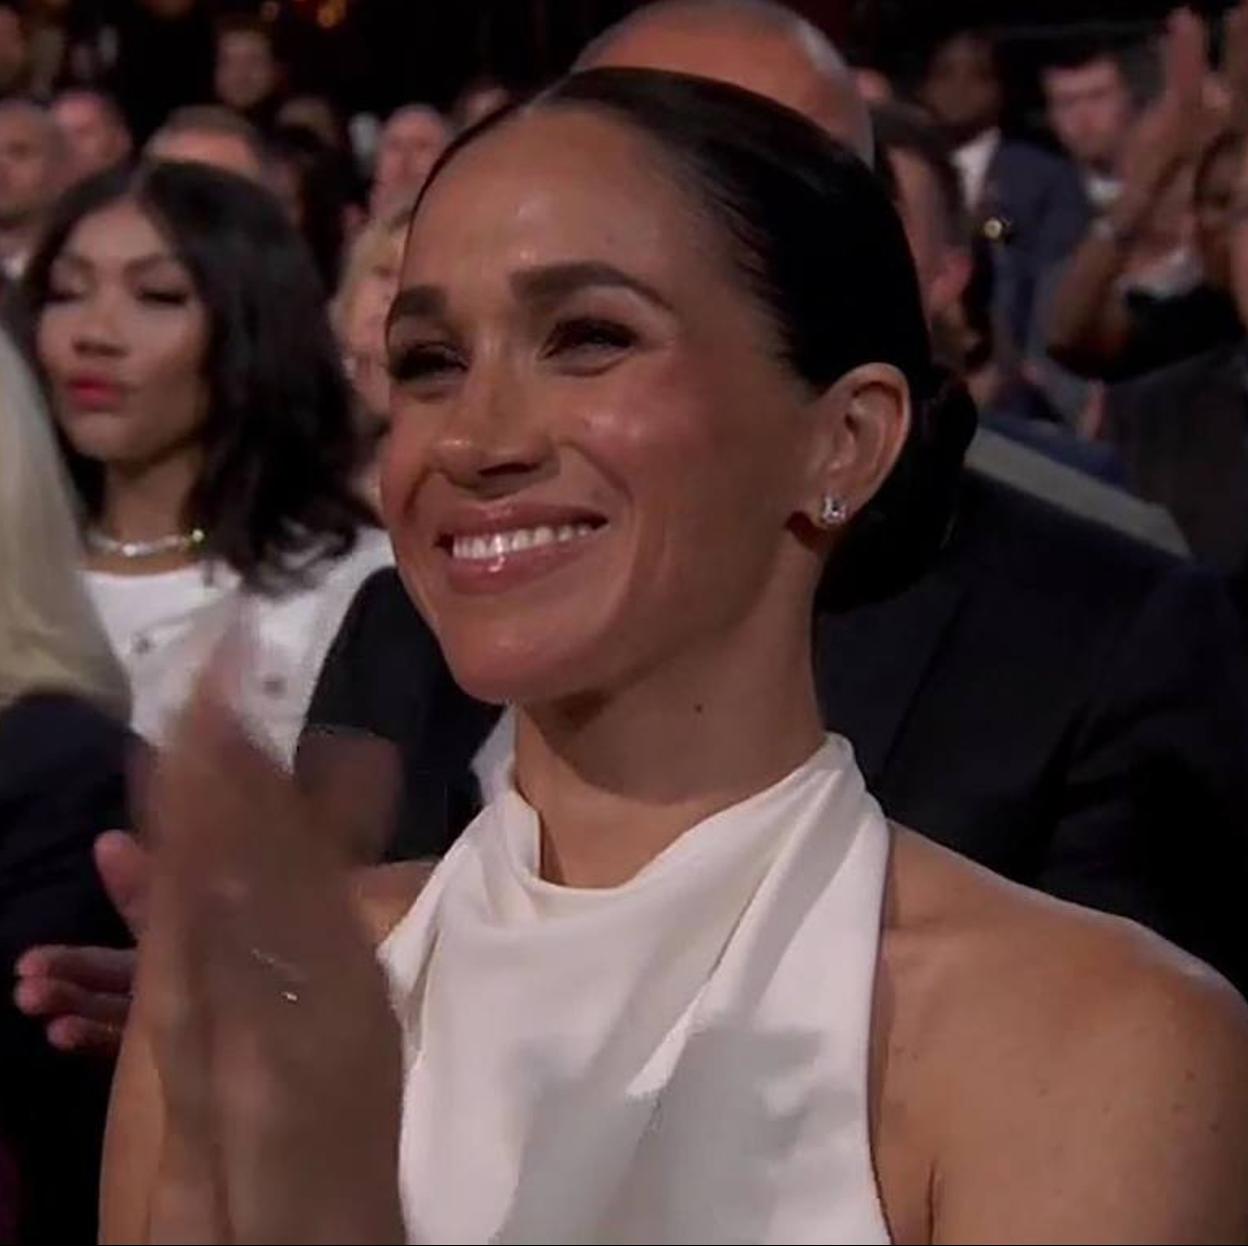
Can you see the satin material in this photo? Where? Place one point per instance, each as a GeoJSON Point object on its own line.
{"type": "Point", "coordinates": [679, 1059]}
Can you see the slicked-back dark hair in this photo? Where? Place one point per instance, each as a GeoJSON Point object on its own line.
{"type": "Point", "coordinates": [819, 244]}
{"type": "Point", "coordinates": [279, 446]}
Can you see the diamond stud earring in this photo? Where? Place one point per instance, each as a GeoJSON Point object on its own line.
{"type": "Point", "coordinates": [832, 511]}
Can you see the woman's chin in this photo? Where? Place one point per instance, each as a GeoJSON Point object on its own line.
{"type": "Point", "coordinates": [511, 676]}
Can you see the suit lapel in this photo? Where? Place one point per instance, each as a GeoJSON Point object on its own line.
{"type": "Point", "coordinates": [870, 663]}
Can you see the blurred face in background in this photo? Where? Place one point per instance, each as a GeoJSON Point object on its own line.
{"type": "Point", "coordinates": [411, 143]}
{"type": "Point", "coordinates": [362, 308]}
{"type": "Point", "coordinates": [1215, 201]}
{"type": "Point", "coordinates": [962, 89]}
{"type": "Point", "coordinates": [95, 135]}
{"type": "Point", "coordinates": [247, 71]}
{"type": "Point", "coordinates": [14, 51]}
{"type": "Point", "coordinates": [123, 339]}
{"type": "Point", "coordinates": [32, 164]}
{"type": "Point", "coordinates": [1090, 110]}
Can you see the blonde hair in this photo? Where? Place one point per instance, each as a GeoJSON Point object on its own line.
{"type": "Point", "coordinates": [369, 244]}
{"type": "Point", "coordinates": [50, 636]}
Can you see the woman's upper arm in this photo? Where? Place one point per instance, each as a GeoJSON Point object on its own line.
{"type": "Point", "coordinates": [1135, 1130]}
{"type": "Point", "coordinates": [132, 1142]}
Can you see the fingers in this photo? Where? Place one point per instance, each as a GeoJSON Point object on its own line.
{"type": "Point", "coordinates": [48, 998]}
{"type": "Point", "coordinates": [125, 868]}
{"type": "Point", "coordinates": [83, 1020]}
{"type": "Point", "coordinates": [83, 1037]}
{"type": "Point", "coordinates": [1186, 54]}
{"type": "Point", "coordinates": [90, 970]}
{"type": "Point", "coordinates": [267, 1012]}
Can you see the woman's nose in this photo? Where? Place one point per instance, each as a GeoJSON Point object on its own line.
{"type": "Point", "coordinates": [495, 438]}
{"type": "Point", "coordinates": [96, 331]}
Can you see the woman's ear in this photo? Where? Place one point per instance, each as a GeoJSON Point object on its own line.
{"type": "Point", "coordinates": [861, 425]}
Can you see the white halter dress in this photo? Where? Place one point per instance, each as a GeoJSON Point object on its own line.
{"type": "Point", "coordinates": [679, 1059]}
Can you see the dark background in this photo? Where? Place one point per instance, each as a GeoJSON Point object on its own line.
{"type": "Point", "coordinates": [429, 48]}
{"type": "Point", "coordinates": [376, 54]}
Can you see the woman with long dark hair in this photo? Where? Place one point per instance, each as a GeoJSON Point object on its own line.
{"type": "Point", "coordinates": [658, 348]}
{"type": "Point", "coordinates": [201, 404]}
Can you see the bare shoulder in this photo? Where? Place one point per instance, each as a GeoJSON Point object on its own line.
{"type": "Point", "coordinates": [384, 893]}
{"type": "Point", "coordinates": [1076, 1077]}
{"type": "Point", "coordinates": [970, 927]}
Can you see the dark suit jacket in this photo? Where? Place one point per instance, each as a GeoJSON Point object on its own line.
{"type": "Point", "coordinates": [1040, 200]}
{"type": "Point", "coordinates": [385, 676]}
{"type": "Point", "coordinates": [1183, 433]}
{"type": "Point", "coordinates": [62, 782]}
{"type": "Point", "coordinates": [1064, 705]}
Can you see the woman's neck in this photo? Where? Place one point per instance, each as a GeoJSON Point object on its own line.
{"type": "Point", "coordinates": [618, 778]}
{"type": "Point", "coordinates": [146, 504]}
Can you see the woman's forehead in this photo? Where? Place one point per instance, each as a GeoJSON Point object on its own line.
{"type": "Point", "coordinates": [117, 229]}
{"type": "Point", "coordinates": [555, 181]}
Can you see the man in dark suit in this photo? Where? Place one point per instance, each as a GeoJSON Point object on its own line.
{"type": "Point", "coordinates": [1029, 203]}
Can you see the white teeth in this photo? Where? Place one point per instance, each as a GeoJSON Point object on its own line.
{"type": "Point", "coordinates": [500, 544]}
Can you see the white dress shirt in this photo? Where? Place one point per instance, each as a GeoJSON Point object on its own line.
{"type": "Point", "coordinates": [973, 161]}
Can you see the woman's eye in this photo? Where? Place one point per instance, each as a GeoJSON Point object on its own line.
{"type": "Point", "coordinates": [416, 363]}
{"type": "Point", "coordinates": [589, 337]}
{"type": "Point", "coordinates": [165, 298]}
{"type": "Point", "coordinates": [62, 294]}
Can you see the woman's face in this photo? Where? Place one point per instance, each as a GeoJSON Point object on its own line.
{"type": "Point", "coordinates": [123, 338]}
{"type": "Point", "coordinates": [597, 454]}
{"type": "Point", "coordinates": [1214, 199]}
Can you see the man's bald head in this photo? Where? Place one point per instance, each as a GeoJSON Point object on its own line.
{"type": "Point", "coordinates": [754, 44]}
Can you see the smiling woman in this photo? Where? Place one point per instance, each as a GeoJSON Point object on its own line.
{"type": "Point", "coordinates": [659, 346]}
{"type": "Point", "coordinates": [650, 371]}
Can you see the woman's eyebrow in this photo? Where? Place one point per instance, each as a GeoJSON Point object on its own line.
{"type": "Point", "coordinates": [551, 283]}
{"type": "Point", "coordinates": [417, 301]}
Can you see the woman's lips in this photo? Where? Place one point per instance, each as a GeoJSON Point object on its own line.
{"type": "Point", "coordinates": [92, 395]}
{"type": "Point", "coordinates": [483, 562]}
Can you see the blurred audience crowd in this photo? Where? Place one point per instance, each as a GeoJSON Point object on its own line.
{"type": "Point", "coordinates": [1059, 688]}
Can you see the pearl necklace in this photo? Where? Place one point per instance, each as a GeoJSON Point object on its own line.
{"type": "Point", "coordinates": [178, 543]}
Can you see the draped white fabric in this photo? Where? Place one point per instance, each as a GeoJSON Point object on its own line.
{"type": "Point", "coordinates": [679, 1059]}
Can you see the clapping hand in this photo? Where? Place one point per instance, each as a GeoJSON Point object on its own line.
{"type": "Point", "coordinates": [262, 1005]}
{"type": "Point", "coordinates": [1171, 130]}
{"type": "Point", "coordinates": [83, 993]}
